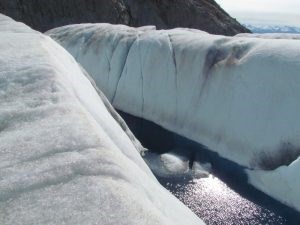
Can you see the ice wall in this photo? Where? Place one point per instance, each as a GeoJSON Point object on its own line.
{"type": "Point", "coordinates": [64, 159]}
{"type": "Point", "coordinates": [239, 96]}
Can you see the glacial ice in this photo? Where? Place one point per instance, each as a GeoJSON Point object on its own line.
{"type": "Point", "coordinates": [167, 165]}
{"type": "Point", "coordinates": [282, 183]}
{"type": "Point", "coordinates": [64, 158]}
{"type": "Point", "coordinates": [173, 165]}
{"type": "Point", "coordinates": [238, 96]}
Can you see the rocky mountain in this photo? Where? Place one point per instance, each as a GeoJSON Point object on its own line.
{"type": "Point", "coordinates": [43, 15]}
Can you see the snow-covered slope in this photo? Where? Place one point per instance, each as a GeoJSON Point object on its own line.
{"type": "Point", "coordinates": [238, 96]}
{"type": "Point", "coordinates": [64, 159]}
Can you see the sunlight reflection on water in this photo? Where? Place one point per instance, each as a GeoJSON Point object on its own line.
{"type": "Point", "coordinates": [214, 202]}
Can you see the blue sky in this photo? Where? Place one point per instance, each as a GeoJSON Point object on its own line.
{"type": "Point", "coordinates": [275, 12]}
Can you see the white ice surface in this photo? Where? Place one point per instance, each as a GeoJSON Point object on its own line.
{"type": "Point", "coordinates": [64, 159]}
{"type": "Point", "coordinates": [172, 165]}
{"type": "Point", "coordinates": [238, 96]}
{"type": "Point", "coordinates": [175, 164]}
{"type": "Point", "coordinates": [283, 183]}
{"type": "Point", "coordinates": [167, 165]}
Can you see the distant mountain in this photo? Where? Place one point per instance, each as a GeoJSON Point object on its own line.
{"type": "Point", "coordinates": [43, 15]}
{"type": "Point", "coordinates": [273, 29]}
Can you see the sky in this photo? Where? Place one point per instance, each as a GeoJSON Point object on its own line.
{"type": "Point", "coordinates": [273, 12]}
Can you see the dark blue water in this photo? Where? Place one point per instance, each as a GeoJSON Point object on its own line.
{"type": "Point", "coordinates": [223, 198]}
{"type": "Point", "coordinates": [216, 203]}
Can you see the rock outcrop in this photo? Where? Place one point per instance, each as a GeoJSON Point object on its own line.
{"type": "Point", "coordinates": [43, 15]}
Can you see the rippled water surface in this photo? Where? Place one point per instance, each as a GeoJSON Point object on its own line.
{"type": "Point", "coordinates": [228, 200]}
{"type": "Point", "coordinates": [216, 203]}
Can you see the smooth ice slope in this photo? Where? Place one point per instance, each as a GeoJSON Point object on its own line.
{"type": "Point", "coordinates": [238, 96]}
{"type": "Point", "coordinates": [64, 159]}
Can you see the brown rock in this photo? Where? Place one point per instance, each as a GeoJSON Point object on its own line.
{"type": "Point", "coordinates": [43, 15]}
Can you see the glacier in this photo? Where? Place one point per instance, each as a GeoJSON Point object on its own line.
{"type": "Point", "coordinates": [66, 157]}
{"type": "Point", "coordinates": [239, 96]}
{"type": "Point", "coordinates": [290, 36]}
